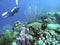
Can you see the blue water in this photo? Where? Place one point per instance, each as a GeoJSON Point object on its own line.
{"type": "Point", "coordinates": [25, 7]}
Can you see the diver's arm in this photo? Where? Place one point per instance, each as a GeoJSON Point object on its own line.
{"type": "Point", "coordinates": [17, 3]}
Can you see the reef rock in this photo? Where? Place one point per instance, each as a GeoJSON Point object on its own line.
{"type": "Point", "coordinates": [17, 26]}
{"type": "Point", "coordinates": [35, 25]}
{"type": "Point", "coordinates": [52, 26]}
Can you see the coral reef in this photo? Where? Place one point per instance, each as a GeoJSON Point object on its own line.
{"type": "Point", "coordinates": [6, 38]}
{"type": "Point", "coordinates": [46, 32]}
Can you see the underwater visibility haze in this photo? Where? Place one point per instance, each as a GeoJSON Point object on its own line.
{"type": "Point", "coordinates": [27, 9]}
{"type": "Point", "coordinates": [38, 17]}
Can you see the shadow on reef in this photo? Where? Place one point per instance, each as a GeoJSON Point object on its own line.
{"type": "Point", "coordinates": [42, 30]}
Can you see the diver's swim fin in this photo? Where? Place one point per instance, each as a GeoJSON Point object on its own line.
{"type": "Point", "coordinates": [4, 15]}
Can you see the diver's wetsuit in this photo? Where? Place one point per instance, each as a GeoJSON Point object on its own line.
{"type": "Point", "coordinates": [14, 11]}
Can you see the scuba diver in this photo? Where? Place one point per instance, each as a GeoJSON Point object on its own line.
{"type": "Point", "coordinates": [12, 12]}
